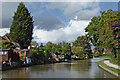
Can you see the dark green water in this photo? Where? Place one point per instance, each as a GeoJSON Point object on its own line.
{"type": "Point", "coordinates": [75, 69]}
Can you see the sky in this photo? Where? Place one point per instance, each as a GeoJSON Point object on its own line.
{"type": "Point", "coordinates": [56, 21]}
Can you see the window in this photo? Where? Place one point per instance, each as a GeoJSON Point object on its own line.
{"type": "Point", "coordinates": [0, 52]}
{"type": "Point", "coordinates": [5, 52]}
{"type": "Point", "coordinates": [22, 52]}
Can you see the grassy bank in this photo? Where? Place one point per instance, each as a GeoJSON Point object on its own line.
{"type": "Point", "coordinates": [108, 67]}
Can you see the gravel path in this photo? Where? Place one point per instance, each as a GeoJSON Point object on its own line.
{"type": "Point", "coordinates": [112, 65]}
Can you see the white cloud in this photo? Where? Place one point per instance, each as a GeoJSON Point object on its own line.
{"type": "Point", "coordinates": [3, 31]}
{"type": "Point", "coordinates": [69, 33]}
{"type": "Point", "coordinates": [71, 9]}
{"type": "Point", "coordinates": [74, 29]}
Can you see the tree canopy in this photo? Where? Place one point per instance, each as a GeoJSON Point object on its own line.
{"type": "Point", "coordinates": [104, 32]}
{"type": "Point", "coordinates": [21, 29]}
{"type": "Point", "coordinates": [81, 47]}
{"type": "Point", "coordinates": [8, 45]}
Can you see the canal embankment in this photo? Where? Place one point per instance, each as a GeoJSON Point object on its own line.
{"type": "Point", "coordinates": [109, 67]}
{"type": "Point", "coordinates": [15, 65]}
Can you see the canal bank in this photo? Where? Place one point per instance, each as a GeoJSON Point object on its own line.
{"type": "Point", "coordinates": [15, 65]}
{"type": "Point", "coordinates": [109, 67]}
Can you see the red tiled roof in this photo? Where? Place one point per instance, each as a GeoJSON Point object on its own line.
{"type": "Point", "coordinates": [6, 37]}
{"type": "Point", "coordinates": [33, 43]}
{"type": "Point", "coordinates": [93, 50]}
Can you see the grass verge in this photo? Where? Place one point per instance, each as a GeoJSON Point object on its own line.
{"type": "Point", "coordinates": [108, 67]}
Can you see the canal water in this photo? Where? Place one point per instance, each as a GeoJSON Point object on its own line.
{"type": "Point", "coordinates": [73, 69]}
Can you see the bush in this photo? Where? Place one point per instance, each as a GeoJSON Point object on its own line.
{"type": "Point", "coordinates": [32, 52]}
{"type": "Point", "coordinates": [37, 57]}
{"type": "Point", "coordinates": [114, 60]}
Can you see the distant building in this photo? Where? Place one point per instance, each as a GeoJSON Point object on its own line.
{"type": "Point", "coordinates": [106, 51]}
{"type": "Point", "coordinates": [33, 45]}
{"type": "Point", "coordinates": [93, 51]}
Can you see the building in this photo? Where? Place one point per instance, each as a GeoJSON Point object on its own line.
{"type": "Point", "coordinates": [4, 55]}
{"type": "Point", "coordinates": [23, 53]}
{"type": "Point", "coordinates": [93, 51]}
{"type": "Point", "coordinates": [6, 37]}
{"type": "Point", "coordinates": [106, 51]}
{"type": "Point", "coordinates": [33, 45]}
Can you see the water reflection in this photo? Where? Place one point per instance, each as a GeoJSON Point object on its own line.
{"type": "Point", "coordinates": [19, 73]}
{"type": "Point", "coordinates": [75, 69]}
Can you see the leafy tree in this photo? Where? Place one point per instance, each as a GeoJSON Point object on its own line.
{"type": "Point", "coordinates": [81, 47]}
{"type": "Point", "coordinates": [104, 32]}
{"type": "Point", "coordinates": [78, 51]}
{"type": "Point", "coordinates": [49, 46]}
{"type": "Point", "coordinates": [21, 29]}
{"type": "Point", "coordinates": [8, 45]}
{"type": "Point", "coordinates": [67, 49]}
{"type": "Point", "coordinates": [37, 56]}
{"type": "Point", "coordinates": [41, 45]}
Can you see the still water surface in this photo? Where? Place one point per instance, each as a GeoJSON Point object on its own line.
{"type": "Point", "coordinates": [75, 69]}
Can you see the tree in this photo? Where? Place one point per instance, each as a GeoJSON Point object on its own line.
{"type": "Point", "coordinates": [21, 29]}
{"type": "Point", "coordinates": [41, 45]}
{"type": "Point", "coordinates": [78, 51]}
{"type": "Point", "coordinates": [67, 49]}
{"type": "Point", "coordinates": [81, 47]}
{"type": "Point", "coordinates": [49, 46]}
{"type": "Point", "coordinates": [104, 32]}
{"type": "Point", "coordinates": [8, 45]}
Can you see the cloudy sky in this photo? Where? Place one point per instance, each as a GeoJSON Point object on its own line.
{"type": "Point", "coordinates": [56, 21]}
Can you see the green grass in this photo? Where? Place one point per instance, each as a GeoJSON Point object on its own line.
{"type": "Point", "coordinates": [108, 67]}
{"type": "Point", "coordinates": [105, 56]}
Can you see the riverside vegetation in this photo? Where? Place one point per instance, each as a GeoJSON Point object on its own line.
{"type": "Point", "coordinates": [104, 33]}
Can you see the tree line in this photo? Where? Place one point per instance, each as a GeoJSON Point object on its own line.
{"type": "Point", "coordinates": [104, 33]}
{"type": "Point", "coordinates": [44, 53]}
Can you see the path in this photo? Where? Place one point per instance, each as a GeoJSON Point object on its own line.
{"type": "Point", "coordinates": [112, 65]}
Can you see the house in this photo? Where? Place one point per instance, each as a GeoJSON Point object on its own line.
{"type": "Point", "coordinates": [33, 45]}
{"type": "Point", "coordinates": [23, 53]}
{"type": "Point", "coordinates": [6, 37]}
{"type": "Point", "coordinates": [106, 51]}
{"type": "Point", "coordinates": [4, 55]}
{"type": "Point", "coordinates": [93, 51]}
{"type": "Point", "coordinates": [58, 57]}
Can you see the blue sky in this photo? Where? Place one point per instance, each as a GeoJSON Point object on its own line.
{"type": "Point", "coordinates": [56, 21]}
{"type": "Point", "coordinates": [104, 6]}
